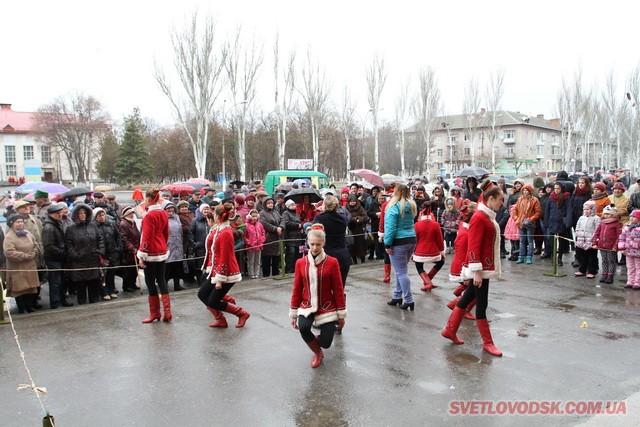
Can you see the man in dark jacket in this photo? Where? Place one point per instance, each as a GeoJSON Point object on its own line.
{"type": "Point", "coordinates": [54, 256]}
{"type": "Point", "coordinates": [113, 252]}
{"type": "Point", "coordinates": [194, 201]}
{"type": "Point", "coordinates": [198, 232]}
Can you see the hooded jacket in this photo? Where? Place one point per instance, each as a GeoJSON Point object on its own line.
{"type": "Point", "coordinates": [527, 207]}
{"type": "Point", "coordinates": [85, 246]}
{"type": "Point", "coordinates": [586, 228]}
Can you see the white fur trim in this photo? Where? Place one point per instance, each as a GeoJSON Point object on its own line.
{"type": "Point", "coordinates": [342, 313]}
{"type": "Point", "coordinates": [293, 313]}
{"type": "Point", "coordinates": [155, 258]}
{"type": "Point", "coordinates": [456, 279]}
{"type": "Point", "coordinates": [234, 278]}
{"type": "Point", "coordinates": [436, 258]}
{"type": "Point", "coordinates": [321, 319]}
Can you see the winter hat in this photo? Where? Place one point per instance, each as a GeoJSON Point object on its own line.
{"type": "Point", "coordinates": [202, 207]}
{"type": "Point", "coordinates": [39, 194]}
{"type": "Point", "coordinates": [600, 186]}
{"type": "Point", "coordinates": [611, 210]}
{"type": "Point", "coordinates": [98, 211]}
{"type": "Point", "coordinates": [111, 196]}
{"type": "Point", "coordinates": [20, 203]}
{"type": "Point", "coordinates": [168, 205]}
{"type": "Point", "coordinates": [262, 193]}
{"type": "Point", "coordinates": [289, 202]}
{"type": "Point", "coordinates": [165, 193]}
{"type": "Point", "coordinates": [128, 210]}
{"type": "Point", "coordinates": [280, 196]}
{"type": "Point", "coordinates": [250, 197]}
{"type": "Point", "coordinates": [54, 208]}
{"type": "Point", "coordinates": [98, 195]}
{"type": "Point", "coordinates": [239, 199]}
{"type": "Point", "coordinates": [515, 181]}
{"type": "Point", "coordinates": [344, 190]}
{"type": "Point", "coordinates": [529, 187]}
{"type": "Point", "coordinates": [619, 185]}
{"type": "Point", "coordinates": [589, 204]}
{"type": "Point", "coordinates": [13, 218]}
{"type": "Point", "coordinates": [635, 213]}
{"type": "Point", "coordinates": [182, 203]}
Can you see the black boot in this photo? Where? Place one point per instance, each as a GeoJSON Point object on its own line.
{"type": "Point", "coordinates": [20, 303]}
{"type": "Point", "coordinates": [514, 256]}
{"type": "Point", "coordinates": [176, 285]}
{"type": "Point", "coordinates": [28, 302]}
{"type": "Point", "coordinates": [560, 263]}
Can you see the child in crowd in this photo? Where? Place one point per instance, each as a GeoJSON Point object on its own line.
{"type": "Point", "coordinates": [586, 255]}
{"type": "Point", "coordinates": [254, 238]}
{"type": "Point", "coordinates": [629, 244]}
{"type": "Point", "coordinates": [449, 221]}
{"type": "Point", "coordinates": [606, 240]}
{"type": "Point", "coordinates": [512, 233]}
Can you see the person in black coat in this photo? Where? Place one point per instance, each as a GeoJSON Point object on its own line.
{"type": "Point", "coordinates": [85, 247]}
{"type": "Point", "coordinates": [557, 217]}
{"type": "Point", "coordinates": [374, 216]}
{"type": "Point", "coordinates": [55, 255]}
{"type": "Point", "coordinates": [292, 236]}
{"type": "Point", "coordinates": [472, 193]}
{"type": "Point", "coordinates": [113, 252]}
{"type": "Point", "coordinates": [335, 228]}
{"type": "Point", "coordinates": [198, 232]}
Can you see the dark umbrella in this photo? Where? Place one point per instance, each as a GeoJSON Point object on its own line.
{"type": "Point", "coordinates": [76, 191]}
{"type": "Point", "coordinates": [297, 194]}
{"type": "Point", "coordinates": [238, 184]}
{"type": "Point", "coordinates": [473, 171]}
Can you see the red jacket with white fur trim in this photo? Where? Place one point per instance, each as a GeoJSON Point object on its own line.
{"type": "Point", "coordinates": [322, 294]}
{"type": "Point", "coordinates": [430, 244]}
{"type": "Point", "coordinates": [224, 266]}
{"type": "Point", "coordinates": [154, 235]}
{"type": "Point", "coordinates": [483, 248]}
{"type": "Point", "coordinates": [460, 252]}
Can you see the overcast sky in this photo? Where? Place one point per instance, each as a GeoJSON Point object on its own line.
{"type": "Point", "coordinates": [106, 49]}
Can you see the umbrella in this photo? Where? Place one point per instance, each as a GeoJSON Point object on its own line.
{"type": "Point", "coordinates": [49, 187]}
{"type": "Point", "coordinates": [102, 188]}
{"type": "Point", "coordinates": [76, 191]}
{"type": "Point", "coordinates": [179, 188]}
{"type": "Point", "coordinates": [369, 176]}
{"type": "Point", "coordinates": [473, 171]}
{"type": "Point", "coordinates": [237, 183]}
{"type": "Point", "coordinates": [193, 184]}
{"type": "Point", "coordinates": [298, 193]}
{"type": "Point", "coordinates": [494, 178]}
{"type": "Point", "coordinates": [302, 181]}
{"type": "Point", "coordinates": [198, 181]}
{"type": "Point", "coordinates": [387, 178]}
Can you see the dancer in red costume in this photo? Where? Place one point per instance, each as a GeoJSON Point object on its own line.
{"type": "Point", "coordinates": [429, 246]}
{"type": "Point", "coordinates": [460, 254]}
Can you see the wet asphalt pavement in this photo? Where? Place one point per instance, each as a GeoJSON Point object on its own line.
{"type": "Point", "coordinates": [102, 366]}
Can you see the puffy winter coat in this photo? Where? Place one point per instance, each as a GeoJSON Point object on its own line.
{"type": "Point", "coordinates": [112, 241]}
{"type": "Point", "coordinates": [198, 235]}
{"type": "Point", "coordinates": [254, 236]}
{"type": "Point", "coordinates": [577, 202]}
{"type": "Point", "coordinates": [358, 218]}
{"type": "Point", "coordinates": [21, 252]}
{"type": "Point", "coordinates": [85, 245]}
{"type": "Point", "coordinates": [607, 234]}
{"type": "Point", "coordinates": [557, 219]}
{"type": "Point", "coordinates": [621, 205]}
{"type": "Point", "coordinates": [53, 241]}
{"type": "Point", "coordinates": [450, 220]}
{"type": "Point", "coordinates": [526, 208]}
{"type": "Point", "coordinates": [130, 236]}
{"type": "Point", "coordinates": [293, 228]}
{"type": "Point", "coordinates": [629, 240]}
{"type": "Point", "coordinates": [174, 244]}
{"type": "Point", "coordinates": [585, 229]}
{"type": "Point", "coordinates": [271, 220]}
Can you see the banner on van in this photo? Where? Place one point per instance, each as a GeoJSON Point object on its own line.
{"type": "Point", "coordinates": [300, 164]}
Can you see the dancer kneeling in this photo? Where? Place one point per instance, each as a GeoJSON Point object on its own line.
{"type": "Point", "coordinates": [481, 264]}
{"type": "Point", "coordinates": [318, 296]}
{"type": "Point", "coordinates": [222, 270]}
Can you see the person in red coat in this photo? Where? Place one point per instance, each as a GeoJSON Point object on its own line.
{"type": "Point", "coordinates": [152, 254]}
{"type": "Point", "coordinates": [460, 254]}
{"type": "Point", "coordinates": [482, 263]}
{"type": "Point", "coordinates": [222, 269]}
{"type": "Point", "coordinates": [318, 296]}
{"type": "Point", "coordinates": [429, 246]}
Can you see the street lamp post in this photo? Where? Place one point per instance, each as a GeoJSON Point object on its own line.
{"type": "Point", "coordinates": [364, 124]}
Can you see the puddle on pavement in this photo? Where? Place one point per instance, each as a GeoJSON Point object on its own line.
{"type": "Point", "coordinates": [562, 306]}
{"type": "Point", "coordinates": [614, 336]}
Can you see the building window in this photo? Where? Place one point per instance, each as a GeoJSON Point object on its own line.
{"type": "Point", "coordinates": [11, 170]}
{"type": "Point", "coordinates": [509, 134]}
{"type": "Point", "coordinates": [28, 152]}
{"type": "Point", "coordinates": [467, 151]}
{"type": "Point", "coordinates": [509, 152]}
{"type": "Point", "coordinates": [10, 153]}
{"type": "Point", "coordinates": [466, 137]}
{"type": "Point", "coordinates": [439, 152]}
{"type": "Point", "coordinates": [453, 137]}
{"type": "Point", "coordinates": [480, 136]}
{"type": "Point", "coordinates": [45, 153]}
{"type": "Point", "coordinates": [540, 149]}
{"type": "Point", "coordinates": [542, 136]}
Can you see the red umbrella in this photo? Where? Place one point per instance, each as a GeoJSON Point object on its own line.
{"type": "Point", "coordinates": [199, 181]}
{"type": "Point", "coordinates": [369, 175]}
{"type": "Point", "coordinates": [178, 188]}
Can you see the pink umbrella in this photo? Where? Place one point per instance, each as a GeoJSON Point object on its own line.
{"type": "Point", "coordinates": [178, 188]}
{"type": "Point", "coordinates": [369, 175]}
{"type": "Point", "coordinates": [199, 181]}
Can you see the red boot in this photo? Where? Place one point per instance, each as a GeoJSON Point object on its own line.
{"type": "Point", "coordinates": [242, 314]}
{"type": "Point", "coordinates": [166, 306]}
{"type": "Point", "coordinates": [470, 315]}
{"type": "Point", "coordinates": [453, 324]}
{"type": "Point", "coordinates": [154, 309]}
{"type": "Point", "coordinates": [459, 290]}
{"type": "Point", "coordinates": [220, 322]}
{"type": "Point", "coordinates": [426, 281]}
{"type": "Point", "coordinates": [318, 355]}
{"type": "Point", "coordinates": [432, 273]}
{"type": "Point", "coordinates": [451, 304]}
{"type": "Point", "coordinates": [229, 298]}
{"type": "Point", "coordinates": [487, 341]}
{"type": "Point", "coordinates": [387, 273]}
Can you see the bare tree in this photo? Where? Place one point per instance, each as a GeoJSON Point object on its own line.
{"type": "Point", "coordinates": [283, 109]}
{"type": "Point", "coordinates": [569, 104]}
{"type": "Point", "coordinates": [401, 112]}
{"type": "Point", "coordinates": [346, 124]}
{"type": "Point", "coordinates": [470, 107]}
{"type": "Point", "coordinates": [198, 65]}
{"type": "Point", "coordinates": [376, 78]}
{"type": "Point", "coordinates": [74, 124]}
{"type": "Point", "coordinates": [425, 110]}
{"type": "Point", "coordinates": [315, 94]}
{"type": "Point", "coordinates": [495, 91]}
{"type": "Point", "coordinates": [242, 75]}
{"type": "Point", "coordinates": [632, 119]}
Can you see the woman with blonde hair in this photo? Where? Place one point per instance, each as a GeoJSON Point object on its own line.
{"type": "Point", "coordinates": [400, 242]}
{"type": "Point", "coordinates": [318, 296]}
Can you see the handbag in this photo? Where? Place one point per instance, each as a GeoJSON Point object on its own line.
{"type": "Point", "coordinates": [527, 223]}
